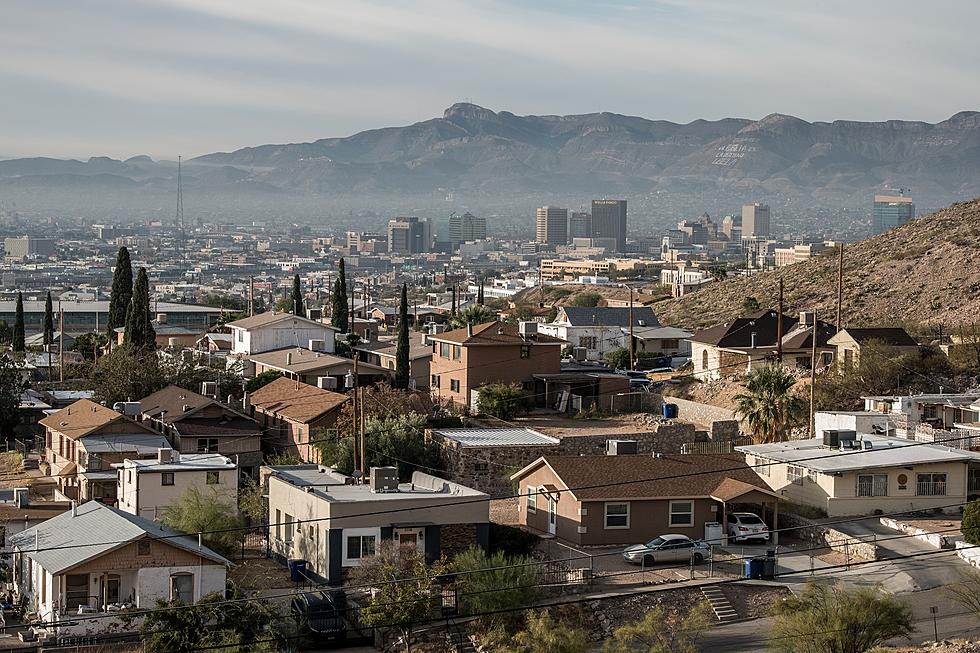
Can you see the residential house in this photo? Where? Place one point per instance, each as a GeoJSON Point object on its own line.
{"type": "Point", "coordinates": [384, 354]}
{"type": "Point", "coordinates": [83, 440]}
{"type": "Point", "coordinates": [215, 343]}
{"type": "Point", "coordinates": [18, 513]}
{"type": "Point", "coordinates": [36, 340]}
{"type": "Point", "coordinates": [291, 412]}
{"type": "Point", "coordinates": [659, 341]}
{"type": "Point", "coordinates": [495, 352]}
{"type": "Point", "coordinates": [148, 487]}
{"type": "Point", "coordinates": [848, 342]}
{"type": "Point", "coordinates": [321, 516]}
{"type": "Point", "coordinates": [627, 499]}
{"type": "Point", "coordinates": [926, 417]}
{"type": "Point", "coordinates": [195, 423]}
{"type": "Point", "coordinates": [748, 342]}
{"type": "Point", "coordinates": [169, 335]}
{"type": "Point", "coordinates": [315, 368]}
{"type": "Point", "coordinates": [270, 331]}
{"type": "Point", "coordinates": [94, 561]}
{"type": "Point", "coordinates": [600, 329]}
{"type": "Point", "coordinates": [848, 473]}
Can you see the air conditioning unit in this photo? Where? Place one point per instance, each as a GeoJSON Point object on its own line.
{"type": "Point", "coordinates": [326, 382]}
{"type": "Point", "coordinates": [209, 389]}
{"type": "Point", "coordinates": [318, 345]}
{"type": "Point", "coordinates": [579, 353]}
{"type": "Point", "coordinates": [384, 479]}
{"type": "Point", "coordinates": [528, 329]}
{"type": "Point", "coordinates": [127, 408]}
{"type": "Point", "coordinates": [315, 314]}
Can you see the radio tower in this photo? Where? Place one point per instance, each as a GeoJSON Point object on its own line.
{"type": "Point", "coordinates": [179, 218]}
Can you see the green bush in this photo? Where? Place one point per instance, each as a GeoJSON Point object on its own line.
{"type": "Point", "coordinates": [265, 378]}
{"type": "Point", "coordinates": [495, 583]}
{"type": "Point", "coordinates": [501, 400]}
{"type": "Point", "coordinates": [971, 522]}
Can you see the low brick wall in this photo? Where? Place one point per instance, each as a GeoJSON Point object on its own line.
{"type": "Point", "coordinates": [815, 534]}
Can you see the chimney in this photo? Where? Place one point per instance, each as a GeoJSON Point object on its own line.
{"type": "Point", "coordinates": [74, 509]}
{"type": "Point", "coordinates": [469, 330]}
{"type": "Point", "coordinates": [753, 340]}
{"type": "Point", "coordinates": [289, 358]}
{"type": "Point", "coordinates": [161, 318]}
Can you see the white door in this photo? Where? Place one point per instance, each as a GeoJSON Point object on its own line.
{"type": "Point", "coordinates": [552, 515]}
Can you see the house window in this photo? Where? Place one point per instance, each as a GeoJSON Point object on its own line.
{"type": "Point", "coordinates": [241, 335]}
{"type": "Point", "coordinates": [532, 500]}
{"type": "Point", "coordinates": [213, 478]}
{"type": "Point", "coordinates": [359, 543]}
{"type": "Point", "coordinates": [207, 445]}
{"type": "Point", "coordinates": [525, 351]}
{"type": "Point", "coordinates": [288, 527]}
{"type": "Point", "coordinates": [278, 524]}
{"type": "Point", "coordinates": [76, 590]}
{"type": "Point", "coordinates": [589, 342]}
{"type": "Point", "coordinates": [669, 343]}
{"type": "Point", "coordinates": [811, 476]}
{"type": "Point", "coordinates": [435, 380]}
{"type": "Point", "coordinates": [454, 385]}
{"type": "Point", "coordinates": [794, 474]}
{"type": "Point", "coordinates": [872, 485]}
{"type": "Point", "coordinates": [761, 466]}
{"type": "Point", "coordinates": [182, 588]}
{"type": "Point", "coordinates": [143, 548]}
{"type": "Point", "coordinates": [930, 485]}
{"type": "Point", "coordinates": [930, 411]}
{"type": "Point", "coordinates": [617, 515]}
{"type": "Point", "coordinates": [444, 349]}
{"type": "Point", "coordinates": [457, 352]}
{"type": "Point", "coordinates": [167, 478]}
{"type": "Point", "coordinates": [682, 513]}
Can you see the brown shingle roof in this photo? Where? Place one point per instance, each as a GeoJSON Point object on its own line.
{"type": "Point", "coordinates": [688, 475]}
{"type": "Point", "coordinates": [298, 402]}
{"type": "Point", "coordinates": [85, 417]}
{"type": "Point", "coordinates": [176, 401]}
{"type": "Point", "coordinates": [493, 333]}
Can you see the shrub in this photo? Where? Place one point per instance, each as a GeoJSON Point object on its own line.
{"type": "Point", "coordinates": [971, 522]}
{"type": "Point", "coordinates": [587, 299]}
{"type": "Point", "coordinates": [501, 400]}
{"type": "Point", "coordinates": [495, 584]}
{"type": "Point", "coordinates": [265, 378]}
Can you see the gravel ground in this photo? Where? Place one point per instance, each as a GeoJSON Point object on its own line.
{"type": "Point", "coordinates": [955, 646]}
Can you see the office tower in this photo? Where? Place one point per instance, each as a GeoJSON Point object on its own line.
{"type": "Point", "coordinates": [466, 227]}
{"type": "Point", "coordinates": [609, 221]}
{"type": "Point", "coordinates": [731, 226]}
{"type": "Point", "coordinates": [552, 225]}
{"type": "Point", "coordinates": [409, 235]}
{"type": "Point", "coordinates": [891, 211]}
{"type": "Point", "coordinates": [29, 246]}
{"type": "Point", "coordinates": [755, 220]}
{"type": "Point", "coordinates": [579, 225]}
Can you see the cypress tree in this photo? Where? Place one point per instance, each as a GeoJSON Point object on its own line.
{"type": "Point", "coordinates": [18, 343]}
{"type": "Point", "coordinates": [48, 321]}
{"type": "Point", "coordinates": [122, 291]}
{"type": "Point", "coordinates": [297, 297]}
{"type": "Point", "coordinates": [139, 328]}
{"type": "Point", "coordinates": [340, 317]}
{"type": "Point", "coordinates": [479, 294]}
{"type": "Point", "coordinates": [401, 353]}
{"type": "Point", "coordinates": [453, 309]}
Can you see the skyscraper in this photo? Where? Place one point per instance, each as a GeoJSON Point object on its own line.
{"type": "Point", "coordinates": [552, 225]}
{"type": "Point", "coordinates": [409, 235]}
{"type": "Point", "coordinates": [466, 227]}
{"type": "Point", "coordinates": [890, 211]}
{"type": "Point", "coordinates": [755, 220]}
{"type": "Point", "coordinates": [609, 221]}
{"type": "Point", "coordinates": [579, 225]}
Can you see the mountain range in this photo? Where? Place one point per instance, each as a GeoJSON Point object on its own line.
{"type": "Point", "coordinates": [481, 156]}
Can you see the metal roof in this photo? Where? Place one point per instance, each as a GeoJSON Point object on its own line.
{"type": "Point", "coordinates": [496, 437]}
{"type": "Point", "coordinates": [66, 541]}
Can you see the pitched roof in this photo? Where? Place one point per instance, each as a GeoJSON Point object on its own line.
{"type": "Point", "coordinates": [296, 401]}
{"type": "Point", "coordinates": [738, 334]}
{"type": "Point", "coordinates": [493, 333]}
{"type": "Point", "coordinates": [299, 360]}
{"type": "Point", "coordinates": [610, 316]}
{"type": "Point", "coordinates": [894, 336]}
{"type": "Point", "coordinates": [271, 317]}
{"type": "Point", "coordinates": [648, 477]}
{"type": "Point", "coordinates": [172, 403]}
{"type": "Point", "coordinates": [66, 541]}
{"type": "Point", "coordinates": [84, 417]}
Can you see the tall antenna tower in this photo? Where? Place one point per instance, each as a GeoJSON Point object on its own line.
{"type": "Point", "coordinates": [179, 218]}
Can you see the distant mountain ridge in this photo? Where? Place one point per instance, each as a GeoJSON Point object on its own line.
{"type": "Point", "coordinates": [474, 151]}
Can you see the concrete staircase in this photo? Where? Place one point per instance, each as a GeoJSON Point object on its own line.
{"type": "Point", "coordinates": [722, 608]}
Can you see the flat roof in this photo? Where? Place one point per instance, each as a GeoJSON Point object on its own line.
{"type": "Point", "coordinates": [512, 437]}
{"type": "Point", "coordinates": [188, 462]}
{"type": "Point", "coordinates": [885, 452]}
{"type": "Point", "coordinates": [331, 485]}
{"type": "Point", "coordinates": [102, 306]}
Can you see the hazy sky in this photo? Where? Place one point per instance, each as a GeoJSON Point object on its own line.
{"type": "Point", "coordinates": [162, 77]}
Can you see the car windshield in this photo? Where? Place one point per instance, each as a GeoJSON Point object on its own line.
{"type": "Point", "coordinates": [749, 519]}
{"type": "Point", "coordinates": [653, 544]}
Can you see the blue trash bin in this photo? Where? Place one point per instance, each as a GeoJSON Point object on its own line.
{"type": "Point", "coordinates": [754, 568]}
{"type": "Point", "coordinates": [297, 571]}
{"type": "Point", "coordinates": [670, 411]}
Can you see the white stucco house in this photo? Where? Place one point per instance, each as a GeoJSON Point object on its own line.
{"type": "Point", "coordinates": [269, 331]}
{"type": "Point", "coordinates": [95, 562]}
{"type": "Point", "coordinates": [598, 330]}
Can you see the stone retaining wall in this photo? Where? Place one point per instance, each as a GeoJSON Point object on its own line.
{"type": "Point", "coordinates": [815, 534]}
{"type": "Point", "coordinates": [721, 422]}
{"type": "Point", "coordinates": [936, 540]}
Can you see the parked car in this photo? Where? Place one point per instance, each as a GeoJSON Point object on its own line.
{"type": "Point", "coordinates": [322, 614]}
{"type": "Point", "coordinates": [744, 526]}
{"type": "Point", "coordinates": [667, 548]}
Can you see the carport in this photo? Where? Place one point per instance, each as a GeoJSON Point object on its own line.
{"type": "Point", "coordinates": [731, 492]}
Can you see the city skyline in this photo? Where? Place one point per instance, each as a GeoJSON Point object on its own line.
{"type": "Point", "coordinates": [164, 77]}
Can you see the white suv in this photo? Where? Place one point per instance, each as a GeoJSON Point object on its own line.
{"type": "Point", "coordinates": [747, 526]}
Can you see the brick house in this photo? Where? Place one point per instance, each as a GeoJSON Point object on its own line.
{"type": "Point", "coordinates": [291, 411]}
{"type": "Point", "coordinates": [628, 499]}
{"type": "Point", "coordinates": [495, 352]}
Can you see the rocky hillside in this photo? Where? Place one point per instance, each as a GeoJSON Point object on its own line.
{"type": "Point", "coordinates": [926, 272]}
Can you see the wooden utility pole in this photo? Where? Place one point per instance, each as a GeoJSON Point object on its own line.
{"type": "Point", "coordinates": [356, 418]}
{"type": "Point", "coordinates": [632, 346]}
{"type": "Point", "coordinates": [360, 403]}
{"type": "Point", "coordinates": [251, 296]}
{"type": "Point", "coordinates": [779, 324]}
{"type": "Point", "coordinates": [61, 344]}
{"type": "Point", "coordinates": [813, 372]}
{"type": "Point", "coordinates": [840, 288]}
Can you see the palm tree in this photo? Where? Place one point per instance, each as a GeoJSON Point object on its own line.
{"type": "Point", "coordinates": [770, 407]}
{"type": "Point", "coordinates": [472, 315]}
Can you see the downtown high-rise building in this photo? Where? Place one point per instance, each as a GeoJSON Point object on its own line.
{"type": "Point", "coordinates": [409, 235]}
{"type": "Point", "coordinates": [579, 225]}
{"type": "Point", "coordinates": [609, 221]}
{"type": "Point", "coordinates": [755, 221]}
{"type": "Point", "coordinates": [552, 225]}
{"type": "Point", "coordinates": [466, 227]}
{"type": "Point", "coordinates": [891, 211]}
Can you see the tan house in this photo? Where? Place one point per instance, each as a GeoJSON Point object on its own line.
{"type": "Point", "coordinates": [168, 335]}
{"type": "Point", "coordinates": [629, 499]}
{"type": "Point", "coordinates": [384, 354]}
{"type": "Point", "coordinates": [291, 412]}
{"type": "Point", "coordinates": [83, 440]}
{"type": "Point", "coordinates": [316, 368]}
{"type": "Point", "coordinates": [465, 359]}
{"type": "Point", "coordinates": [195, 423]}
{"type": "Point", "coordinates": [848, 342]}
{"type": "Point", "coordinates": [846, 473]}
{"type": "Point", "coordinates": [93, 561]}
{"type": "Point", "coordinates": [148, 487]}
